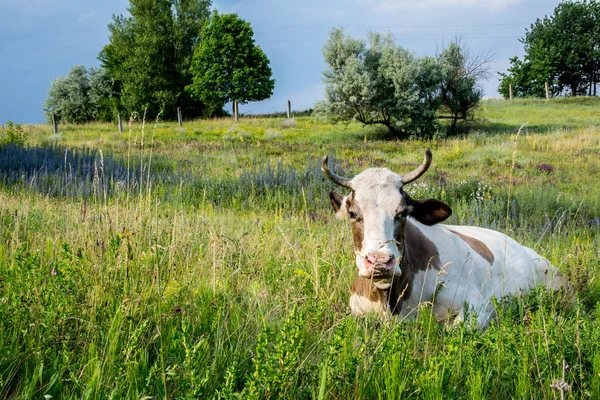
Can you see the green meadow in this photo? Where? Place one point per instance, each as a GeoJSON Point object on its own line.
{"type": "Point", "coordinates": [205, 261]}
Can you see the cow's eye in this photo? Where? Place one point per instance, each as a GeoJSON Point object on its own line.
{"type": "Point", "coordinates": [352, 214]}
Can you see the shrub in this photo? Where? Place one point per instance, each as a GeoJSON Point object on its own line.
{"type": "Point", "coordinates": [15, 134]}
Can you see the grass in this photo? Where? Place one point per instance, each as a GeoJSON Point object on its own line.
{"type": "Point", "coordinates": [205, 262]}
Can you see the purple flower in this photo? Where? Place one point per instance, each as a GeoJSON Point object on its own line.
{"type": "Point", "coordinates": [545, 167]}
{"type": "Point", "coordinates": [53, 272]}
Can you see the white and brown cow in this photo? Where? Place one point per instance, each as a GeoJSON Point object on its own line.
{"type": "Point", "coordinates": [406, 257]}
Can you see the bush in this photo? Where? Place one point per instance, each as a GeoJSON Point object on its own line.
{"type": "Point", "coordinates": [15, 134]}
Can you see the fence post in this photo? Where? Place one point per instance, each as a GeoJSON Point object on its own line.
{"type": "Point", "coordinates": [236, 111]}
{"type": "Point", "coordinates": [289, 109]}
{"type": "Point", "coordinates": [547, 91]}
{"type": "Point", "coordinates": [179, 117]}
{"type": "Point", "coordinates": [120, 122]}
{"type": "Point", "coordinates": [510, 91]}
{"type": "Point", "coordinates": [54, 124]}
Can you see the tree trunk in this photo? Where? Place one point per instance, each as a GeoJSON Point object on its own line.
{"type": "Point", "coordinates": [453, 126]}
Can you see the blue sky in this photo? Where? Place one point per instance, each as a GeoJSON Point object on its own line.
{"type": "Point", "coordinates": [42, 39]}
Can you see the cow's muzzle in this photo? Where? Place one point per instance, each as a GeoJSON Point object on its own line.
{"type": "Point", "coordinates": [380, 265]}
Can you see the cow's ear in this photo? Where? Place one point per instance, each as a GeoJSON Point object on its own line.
{"type": "Point", "coordinates": [430, 211]}
{"type": "Point", "coordinates": [336, 200]}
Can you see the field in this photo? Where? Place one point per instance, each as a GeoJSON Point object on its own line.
{"type": "Point", "coordinates": [205, 261]}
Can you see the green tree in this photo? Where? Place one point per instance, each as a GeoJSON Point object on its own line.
{"type": "Point", "coordinates": [150, 52]}
{"type": "Point", "coordinates": [526, 80]}
{"type": "Point", "coordinates": [460, 72]}
{"type": "Point", "coordinates": [380, 83]}
{"type": "Point", "coordinates": [81, 96]}
{"type": "Point", "coordinates": [103, 96]}
{"type": "Point", "coordinates": [68, 97]}
{"type": "Point", "coordinates": [228, 65]}
{"type": "Point", "coordinates": [373, 84]}
{"type": "Point", "coordinates": [563, 50]}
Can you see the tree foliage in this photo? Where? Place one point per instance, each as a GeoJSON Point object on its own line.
{"type": "Point", "coordinates": [563, 50]}
{"type": "Point", "coordinates": [227, 65]}
{"type": "Point", "coordinates": [381, 83]}
{"type": "Point", "coordinates": [460, 73]}
{"type": "Point", "coordinates": [150, 52]}
{"type": "Point", "coordinates": [81, 96]}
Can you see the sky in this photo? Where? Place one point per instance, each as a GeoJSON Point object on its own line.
{"type": "Point", "coordinates": [41, 40]}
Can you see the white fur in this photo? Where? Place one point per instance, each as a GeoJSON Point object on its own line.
{"type": "Point", "coordinates": [361, 305]}
{"type": "Point", "coordinates": [469, 280]}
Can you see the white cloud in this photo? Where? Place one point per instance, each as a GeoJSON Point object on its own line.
{"type": "Point", "coordinates": [87, 15]}
{"type": "Point", "coordinates": [396, 5]}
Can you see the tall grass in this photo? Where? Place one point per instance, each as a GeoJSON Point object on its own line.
{"type": "Point", "coordinates": [218, 271]}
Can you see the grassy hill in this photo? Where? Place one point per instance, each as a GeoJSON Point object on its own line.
{"type": "Point", "coordinates": [205, 262]}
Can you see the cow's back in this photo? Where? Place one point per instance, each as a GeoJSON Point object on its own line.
{"type": "Point", "coordinates": [478, 265]}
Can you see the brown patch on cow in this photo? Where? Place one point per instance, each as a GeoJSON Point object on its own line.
{"type": "Point", "coordinates": [401, 289]}
{"type": "Point", "coordinates": [393, 296]}
{"type": "Point", "coordinates": [364, 287]}
{"type": "Point", "coordinates": [356, 220]}
{"type": "Point", "coordinates": [478, 246]}
{"type": "Point", "coordinates": [421, 253]}
{"type": "Point", "coordinates": [358, 233]}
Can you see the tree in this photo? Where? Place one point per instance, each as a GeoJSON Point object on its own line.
{"type": "Point", "coordinates": [563, 49]}
{"type": "Point", "coordinates": [81, 96]}
{"type": "Point", "coordinates": [373, 84]}
{"type": "Point", "coordinates": [525, 81]}
{"type": "Point", "coordinates": [228, 66]}
{"type": "Point", "coordinates": [103, 96]}
{"type": "Point", "coordinates": [149, 55]}
{"type": "Point", "coordinates": [460, 72]}
{"type": "Point", "coordinates": [381, 83]}
{"type": "Point", "coordinates": [68, 97]}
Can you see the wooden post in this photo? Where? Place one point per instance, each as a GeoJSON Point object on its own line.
{"type": "Point", "coordinates": [547, 91]}
{"type": "Point", "coordinates": [120, 122]}
{"type": "Point", "coordinates": [179, 117]}
{"type": "Point", "coordinates": [54, 124]}
{"type": "Point", "coordinates": [289, 109]}
{"type": "Point", "coordinates": [510, 91]}
{"type": "Point", "coordinates": [236, 111]}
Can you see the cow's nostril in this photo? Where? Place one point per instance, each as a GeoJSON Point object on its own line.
{"type": "Point", "coordinates": [379, 258]}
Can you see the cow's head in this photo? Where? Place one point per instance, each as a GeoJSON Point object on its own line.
{"type": "Point", "coordinates": [377, 207]}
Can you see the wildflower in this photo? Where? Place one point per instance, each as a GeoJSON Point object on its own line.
{"type": "Point", "coordinates": [560, 385]}
{"type": "Point", "coordinates": [53, 272]}
{"type": "Point", "coordinates": [545, 167]}
{"type": "Point", "coordinates": [264, 293]}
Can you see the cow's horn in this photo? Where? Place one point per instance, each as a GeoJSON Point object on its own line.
{"type": "Point", "coordinates": [338, 180]}
{"type": "Point", "coordinates": [411, 176]}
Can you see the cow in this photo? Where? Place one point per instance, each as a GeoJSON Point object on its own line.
{"type": "Point", "coordinates": [406, 257]}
